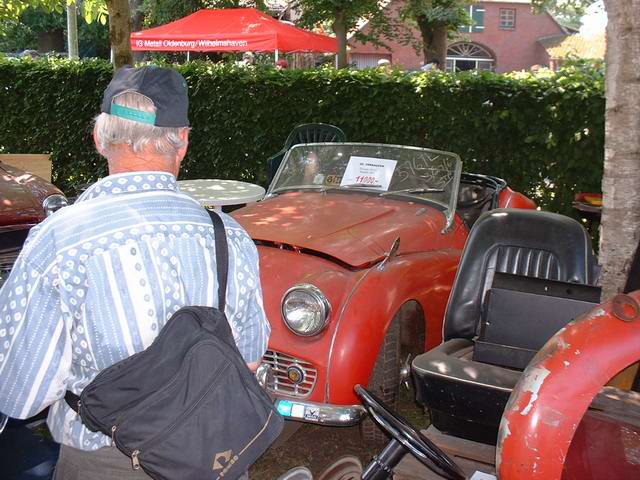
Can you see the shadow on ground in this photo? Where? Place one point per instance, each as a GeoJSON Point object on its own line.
{"type": "Point", "coordinates": [317, 447]}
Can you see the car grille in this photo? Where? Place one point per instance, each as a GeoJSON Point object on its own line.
{"type": "Point", "coordinates": [280, 383]}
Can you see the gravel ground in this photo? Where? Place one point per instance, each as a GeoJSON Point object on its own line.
{"type": "Point", "coordinates": [317, 447]}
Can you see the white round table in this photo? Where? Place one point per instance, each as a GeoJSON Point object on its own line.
{"type": "Point", "coordinates": [218, 193]}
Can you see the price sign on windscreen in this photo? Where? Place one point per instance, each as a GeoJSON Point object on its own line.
{"type": "Point", "coordinates": [369, 172]}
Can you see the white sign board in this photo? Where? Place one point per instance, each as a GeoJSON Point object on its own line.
{"type": "Point", "coordinates": [368, 171]}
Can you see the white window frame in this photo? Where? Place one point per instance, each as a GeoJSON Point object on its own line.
{"type": "Point", "coordinates": [471, 48]}
{"type": "Point", "coordinates": [470, 28]}
{"type": "Point", "coordinates": [505, 18]}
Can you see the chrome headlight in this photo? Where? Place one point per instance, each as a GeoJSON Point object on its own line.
{"type": "Point", "coordinates": [305, 309]}
{"type": "Point", "coordinates": [54, 203]}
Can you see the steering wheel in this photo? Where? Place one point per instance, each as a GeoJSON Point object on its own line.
{"type": "Point", "coordinates": [411, 440]}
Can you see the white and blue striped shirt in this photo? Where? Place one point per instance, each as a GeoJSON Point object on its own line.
{"type": "Point", "coordinates": [96, 282]}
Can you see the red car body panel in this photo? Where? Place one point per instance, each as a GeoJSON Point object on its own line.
{"type": "Point", "coordinates": [509, 198]}
{"type": "Point", "coordinates": [21, 197]}
{"type": "Point", "coordinates": [546, 432]}
{"type": "Point", "coordinates": [355, 228]}
{"type": "Point", "coordinates": [335, 241]}
{"type": "Point", "coordinates": [426, 278]}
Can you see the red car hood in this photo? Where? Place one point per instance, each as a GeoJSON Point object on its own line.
{"type": "Point", "coordinates": [354, 228]}
{"type": "Point", "coordinates": [17, 202]}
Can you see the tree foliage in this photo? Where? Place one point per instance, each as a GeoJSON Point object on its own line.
{"type": "Point", "coordinates": [435, 20]}
{"type": "Point", "coordinates": [91, 9]}
{"type": "Point", "coordinates": [22, 33]}
{"type": "Point", "coordinates": [568, 12]}
{"type": "Point", "coordinates": [343, 16]}
{"type": "Point", "coordinates": [159, 12]}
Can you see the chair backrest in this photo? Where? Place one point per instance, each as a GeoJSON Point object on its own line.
{"type": "Point", "coordinates": [314, 133]}
{"type": "Point", "coordinates": [522, 242]}
{"type": "Point", "coordinates": [305, 133]}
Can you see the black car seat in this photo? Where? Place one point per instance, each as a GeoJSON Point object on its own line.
{"type": "Point", "coordinates": [466, 396]}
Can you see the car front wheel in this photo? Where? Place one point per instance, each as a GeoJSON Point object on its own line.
{"type": "Point", "coordinates": [404, 337]}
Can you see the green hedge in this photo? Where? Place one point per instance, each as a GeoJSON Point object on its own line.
{"type": "Point", "coordinates": [544, 134]}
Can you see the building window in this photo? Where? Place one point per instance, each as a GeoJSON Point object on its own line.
{"type": "Point", "coordinates": [476, 13]}
{"type": "Point", "coordinates": [469, 56]}
{"type": "Point", "coordinates": [508, 18]}
{"type": "Point", "coordinates": [367, 60]}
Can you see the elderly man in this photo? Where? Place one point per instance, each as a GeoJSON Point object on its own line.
{"type": "Point", "coordinates": [98, 280]}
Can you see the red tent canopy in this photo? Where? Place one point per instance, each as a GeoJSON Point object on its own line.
{"type": "Point", "coordinates": [231, 30]}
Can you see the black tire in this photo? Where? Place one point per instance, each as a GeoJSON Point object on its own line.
{"type": "Point", "coordinates": [385, 381]}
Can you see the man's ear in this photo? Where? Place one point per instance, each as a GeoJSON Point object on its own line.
{"type": "Point", "coordinates": [184, 135]}
{"type": "Point", "coordinates": [96, 140]}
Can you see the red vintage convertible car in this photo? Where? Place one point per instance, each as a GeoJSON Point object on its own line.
{"type": "Point", "coordinates": [25, 200]}
{"type": "Point", "coordinates": [359, 245]}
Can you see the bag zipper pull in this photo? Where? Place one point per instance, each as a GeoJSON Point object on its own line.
{"type": "Point", "coordinates": [113, 435]}
{"type": "Point", "coordinates": [134, 459]}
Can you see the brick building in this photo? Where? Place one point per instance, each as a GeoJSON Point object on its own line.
{"type": "Point", "coordinates": [506, 35]}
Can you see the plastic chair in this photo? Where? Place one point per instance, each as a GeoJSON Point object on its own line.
{"type": "Point", "coordinates": [305, 133]}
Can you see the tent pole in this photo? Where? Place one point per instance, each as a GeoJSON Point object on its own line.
{"type": "Point", "coordinates": [276, 55]}
{"type": "Point", "coordinates": [188, 56]}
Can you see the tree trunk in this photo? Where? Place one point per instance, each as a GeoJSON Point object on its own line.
{"type": "Point", "coordinates": [434, 41]}
{"type": "Point", "coordinates": [340, 29]}
{"type": "Point", "coordinates": [72, 31]}
{"type": "Point", "coordinates": [137, 17]}
{"type": "Point", "coordinates": [426, 32]}
{"type": "Point", "coordinates": [621, 209]}
{"type": "Point", "coordinates": [439, 45]}
{"type": "Point", "coordinates": [120, 31]}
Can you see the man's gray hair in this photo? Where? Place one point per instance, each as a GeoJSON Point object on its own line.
{"type": "Point", "coordinates": [113, 131]}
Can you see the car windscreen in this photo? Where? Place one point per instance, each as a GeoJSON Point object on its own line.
{"type": "Point", "coordinates": [404, 172]}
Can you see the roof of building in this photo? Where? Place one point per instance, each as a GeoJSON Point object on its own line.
{"type": "Point", "coordinates": [582, 46]}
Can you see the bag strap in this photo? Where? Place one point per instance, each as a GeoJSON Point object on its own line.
{"type": "Point", "coordinates": [222, 258]}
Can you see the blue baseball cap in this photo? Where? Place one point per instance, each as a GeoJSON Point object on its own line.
{"type": "Point", "coordinates": [165, 87]}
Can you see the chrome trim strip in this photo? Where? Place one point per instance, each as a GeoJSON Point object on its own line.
{"type": "Point", "coordinates": [331, 415]}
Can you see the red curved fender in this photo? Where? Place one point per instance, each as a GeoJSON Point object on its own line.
{"type": "Point", "coordinates": [549, 401]}
{"type": "Point", "coordinates": [424, 277]}
{"type": "Point", "coordinates": [511, 199]}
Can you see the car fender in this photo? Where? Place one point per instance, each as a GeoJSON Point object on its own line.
{"type": "Point", "coordinates": [371, 306]}
{"type": "Point", "coordinates": [557, 387]}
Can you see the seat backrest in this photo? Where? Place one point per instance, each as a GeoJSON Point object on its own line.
{"type": "Point", "coordinates": [305, 133]}
{"type": "Point", "coordinates": [522, 242]}
{"type": "Point", "coordinates": [314, 133]}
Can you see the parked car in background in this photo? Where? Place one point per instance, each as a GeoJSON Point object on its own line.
{"type": "Point", "coordinates": [359, 245]}
{"type": "Point", "coordinates": [25, 200]}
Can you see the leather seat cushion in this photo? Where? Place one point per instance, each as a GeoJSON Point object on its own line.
{"type": "Point", "coordinates": [448, 380]}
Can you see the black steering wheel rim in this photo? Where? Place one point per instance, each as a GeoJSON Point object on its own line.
{"type": "Point", "coordinates": [417, 444]}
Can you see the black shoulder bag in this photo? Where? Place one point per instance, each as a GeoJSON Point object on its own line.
{"type": "Point", "coordinates": [187, 407]}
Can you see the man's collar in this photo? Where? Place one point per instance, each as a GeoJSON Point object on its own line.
{"type": "Point", "coordinates": [129, 182]}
